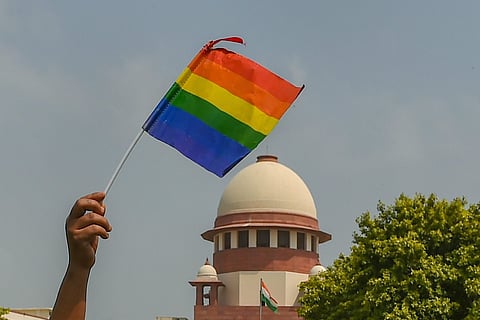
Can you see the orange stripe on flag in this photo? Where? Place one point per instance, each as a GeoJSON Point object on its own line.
{"type": "Point", "coordinates": [252, 71]}
{"type": "Point", "coordinates": [264, 286]}
{"type": "Point", "coordinates": [242, 88]}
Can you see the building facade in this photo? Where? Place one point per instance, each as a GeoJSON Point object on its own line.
{"type": "Point", "coordinates": [266, 228]}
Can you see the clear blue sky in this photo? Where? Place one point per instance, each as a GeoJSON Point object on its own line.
{"type": "Point", "coordinates": [391, 106]}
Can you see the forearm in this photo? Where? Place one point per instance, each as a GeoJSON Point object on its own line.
{"type": "Point", "coordinates": [72, 296]}
{"type": "Point", "coordinates": [84, 225]}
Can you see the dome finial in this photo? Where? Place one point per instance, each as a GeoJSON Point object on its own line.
{"type": "Point", "coordinates": [267, 157]}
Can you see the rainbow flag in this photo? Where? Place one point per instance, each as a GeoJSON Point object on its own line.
{"type": "Point", "coordinates": [220, 108]}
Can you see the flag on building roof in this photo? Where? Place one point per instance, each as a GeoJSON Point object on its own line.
{"type": "Point", "coordinates": [267, 298]}
{"type": "Point", "coordinates": [220, 108]}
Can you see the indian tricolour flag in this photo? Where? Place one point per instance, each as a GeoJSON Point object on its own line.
{"type": "Point", "coordinates": [267, 298]}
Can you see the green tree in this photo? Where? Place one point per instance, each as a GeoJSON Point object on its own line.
{"type": "Point", "coordinates": [3, 311]}
{"type": "Point", "coordinates": [417, 259]}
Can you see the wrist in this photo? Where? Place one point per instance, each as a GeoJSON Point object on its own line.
{"type": "Point", "coordinates": [77, 272]}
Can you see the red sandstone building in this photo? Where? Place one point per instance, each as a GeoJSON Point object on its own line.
{"type": "Point", "coordinates": [266, 228]}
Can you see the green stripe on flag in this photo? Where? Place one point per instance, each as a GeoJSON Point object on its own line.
{"type": "Point", "coordinates": [217, 119]}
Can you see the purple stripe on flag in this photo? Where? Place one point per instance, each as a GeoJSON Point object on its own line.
{"type": "Point", "coordinates": [196, 140]}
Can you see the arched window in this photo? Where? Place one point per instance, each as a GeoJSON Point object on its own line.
{"type": "Point", "coordinates": [206, 295]}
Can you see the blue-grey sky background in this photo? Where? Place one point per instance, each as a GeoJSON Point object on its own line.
{"type": "Point", "coordinates": [391, 106]}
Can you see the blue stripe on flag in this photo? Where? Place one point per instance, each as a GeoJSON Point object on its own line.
{"type": "Point", "coordinates": [194, 139]}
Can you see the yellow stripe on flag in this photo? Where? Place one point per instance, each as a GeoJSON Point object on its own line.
{"type": "Point", "coordinates": [227, 102]}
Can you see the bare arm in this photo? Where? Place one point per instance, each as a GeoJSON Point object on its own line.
{"type": "Point", "coordinates": [85, 223]}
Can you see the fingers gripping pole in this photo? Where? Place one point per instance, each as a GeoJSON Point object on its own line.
{"type": "Point", "coordinates": [124, 159]}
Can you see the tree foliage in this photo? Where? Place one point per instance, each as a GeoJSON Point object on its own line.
{"type": "Point", "coordinates": [3, 311]}
{"type": "Point", "coordinates": [417, 259]}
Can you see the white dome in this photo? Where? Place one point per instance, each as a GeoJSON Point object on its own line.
{"type": "Point", "coordinates": [316, 269]}
{"type": "Point", "coordinates": [207, 271]}
{"type": "Point", "coordinates": [267, 186]}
